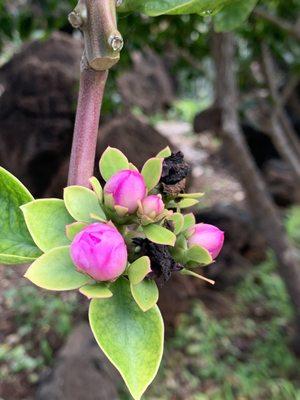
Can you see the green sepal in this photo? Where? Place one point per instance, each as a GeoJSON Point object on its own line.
{"type": "Point", "coordinates": [158, 234]}
{"type": "Point", "coordinates": [96, 291]}
{"type": "Point", "coordinates": [46, 220]}
{"type": "Point", "coordinates": [55, 271]}
{"type": "Point", "coordinates": [111, 162]}
{"type": "Point", "coordinates": [73, 229]}
{"type": "Point", "coordinates": [16, 244]}
{"type": "Point", "coordinates": [151, 172]}
{"type": "Point", "coordinates": [131, 339]}
{"type": "Point", "coordinates": [145, 294]}
{"type": "Point", "coordinates": [198, 255]}
{"type": "Point", "coordinates": [97, 188]}
{"type": "Point", "coordinates": [81, 203]}
{"type": "Point", "coordinates": [178, 221]}
{"type": "Point", "coordinates": [189, 221]}
{"type": "Point", "coordinates": [139, 269]}
{"type": "Point", "coordinates": [164, 153]}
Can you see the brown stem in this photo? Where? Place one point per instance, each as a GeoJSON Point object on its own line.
{"type": "Point", "coordinates": [92, 84]}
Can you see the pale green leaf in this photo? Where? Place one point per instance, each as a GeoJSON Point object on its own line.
{"type": "Point", "coordinates": [139, 269]}
{"type": "Point", "coordinates": [178, 221]}
{"type": "Point", "coordinates": [96, 291]}
{"type": "Point", "coordinates": [81, 203]}
{"type": "Point", "coordinates": [46, 220]}
{"type": "Point", "coordinates": [185, 203]}
{"type": "Point", "coordinates": [198, 255]}
{"type": "Point", "coordinates": [191, 195]}
{"type": "Point", "coordinates": [145, 294]}
{"type": "Point", "coordinates": [97, 188]}
{"type": "Point", "coordinates": [55, 271]}
{"type": "Point", "coordinates": [16, 244]}
{"type": "Point", "coordinates": [151, 172]}
{"type": "Point", "coordinates": [164, 153]}
{"type": "Point", "coordinates": [131, 339]}
{"type": "Point", "coordinates": [160, 235]}
{"type": "Point", "coordinates": [111, 162]}
{"type": "Point", "coordinates": [189, 221]}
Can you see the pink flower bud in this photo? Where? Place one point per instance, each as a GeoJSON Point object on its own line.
{"type": "Point", "coordinates": [99, 251]}
{"type": "Point", "coordinates": [208, 236]}
{"type": "Point", "coordinates": [127, 188]}
{"type": "Point", "coordinates": [152, 206]}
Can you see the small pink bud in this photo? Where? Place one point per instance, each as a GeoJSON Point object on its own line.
{"type": "Point", "coordinates": [126, 188]}
{"type": "Point", "coordinates": [99, 251]}
{"type": "Point", "coordinates": [208, 236]}
{"type": "Point", "coordinates": [152, 206]}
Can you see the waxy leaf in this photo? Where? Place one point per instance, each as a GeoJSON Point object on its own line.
{"type": "Point", "coordinates": [189, 221]}
{"type": "Point", "coordinates": [139, 269]}
{"type": "Point", "coordinates": [191, 195]}
{"type": "Point", "coordinates": [46, 220]}
{"type": "Point", "coordinates": [16, 244]}
{"type": "Point", "coordinates": [81, 203]}
{"type": "Point", "coordinates": [151, 172]}
{"type": "Point", "coordinates": [160, 7]}
{"type": "Point", "coordinates": [96, 291]}
{"type": "Point", "coordinates": [233, 15]}
{"type": "Point", "coordinates": [164, 153]}
{"type": "Point", "coordinates": [160, 235]}
{"type": "Point", "coordinates": [198, 255]}
{"type": "Point", "coordinates": [145, 294]}
{"type": "Point", "coordinates": [55, 271]}
{"type": "Point", "coordinates": [73, 229]}
{"type": "Point", "coordinates": [131, 339]}
{"type": "Point", "coordinates": [111, 162]}
{"type": "Point", "coordinates": [178, 221]}
{"type": "Point", "coordinates": [184, 203]}
{"type": "Point", "coordinates": [97, 188]}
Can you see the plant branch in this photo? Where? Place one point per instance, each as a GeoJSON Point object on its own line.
{"type": "Point", "coordinates": [102, 45]}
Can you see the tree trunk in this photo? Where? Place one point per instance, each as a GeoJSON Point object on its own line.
{"type": "Point", "coordinates": [259, 200]}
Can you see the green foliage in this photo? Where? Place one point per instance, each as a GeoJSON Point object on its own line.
{"type": "Point", "coordinates": [157, 7]}
{"type": "Point", "coordinates": [46, 220]}
{"type": "Point", "coordinates": [16, 244]}
{"type": "Point", "coordinates": [55, 271]}
{"type": "Point", "coordinates": [293, 224]}
{"type": "Point", "coordinates": [151, 172]}
{"type": "Point", "coordinates": [96, 291]}
{"type": "Point", "coordinates": [111, 162]}
{"type": "Point", "coordinates": [139, 269]}
{"type": "Point", "coordinates": [159, 234]}
{"type": "Point", "coordinates": [130, 338]}
{"type": "Point", "coordinates": [81, 203]}
{"type": "Point", "coordinates": [145, 294]}
{"type": "Point", "coordinates": [233, 15]}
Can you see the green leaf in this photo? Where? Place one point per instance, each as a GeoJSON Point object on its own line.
{"type": "Point", "coordinates": [160, 235]}
{"type": "Point", "coordinates": [185, 203]}
{"type": "Point", "coordinates": [55, 271]}
{"type": "Point", "coordinates": [46, 220]}
{"type": "Point", "coordinates": [112, 161]}
{"type": "Point", "coordinates": [191, 195]}
{"type": "Point", "coordinates": [151, 172]}
{"type": "Point", "coordinates": [145, 294]}
{"type": "Point", "coordinates": [131, 339]}
{"type": "Point", "coordinates": [16, 244]}
{"type": "Point", "coordinates": [73, 229]}
{"type": "Point", "coordinates": [194, 275]}
{"type": "Point", "coordinates": [139, 269]}
{"type": "Point", "coordinates": [159, 7]}
{"type": "Point", "coordinates": [164, 153]}
{"type": "Point", "coordinates": [81, 203]}
{"type": "Point", "coordinates": [178, 221]}
{"type": "Point", "coordinates": [97, 188]}
{"type": "Point", "coordinates": [96, 291]}
{"type": "Point", "coordinates": [189, 221]}
{"type": "Point", "coordinates": [233, 15]}
{"type": "Point", "coordinates": [198, 255]}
